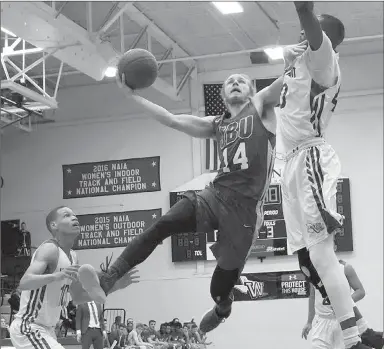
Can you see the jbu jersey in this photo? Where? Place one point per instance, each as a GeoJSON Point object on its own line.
{"type": "Point", "coordinates": [305, 106]}
{"type": "Point", "coordinates": [247, 153]}
{"type": "Point", "coordinates": [43, 305]}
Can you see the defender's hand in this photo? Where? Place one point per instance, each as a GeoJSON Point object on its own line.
{"type": "Point", "coordinates": [291, 52]}
{"type": "Point", "coordinates": [121, 83]}
{"type": "Point", "coordinates": [68, 273]}
{"type": "Point", "coordinates": [128, 279]}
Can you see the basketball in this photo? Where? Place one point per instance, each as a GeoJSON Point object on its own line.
{"type": "Point", "coordinates": [139, 67]}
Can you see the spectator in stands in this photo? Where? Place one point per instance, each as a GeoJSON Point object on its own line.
{"type": "Point", "coordinates": [4, 329]}
{"type": "Point", "coordinates": [119, 335]}
{"type": "Point", "coordinates": [115, 326]}
{"type": "Point", "coordinates": [135, 339]}
{"type": "Point", "coordinates": [153, 337]}
{"type": "Point", "coordinates": [24, 242]}
{"type": "Point", "coordinates": [176, 336]}
{"type": "Point", "coordinates": [129, 327]}
{"type": "Point", "coordinates": [163, 336]}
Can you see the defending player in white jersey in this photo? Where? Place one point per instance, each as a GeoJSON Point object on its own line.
{"type": "Point", "coordinates": [45, 285]}
{"type": "Point", "coordinates": [309, 96]}
{"type": "Point", "coordinates": [325, 329]}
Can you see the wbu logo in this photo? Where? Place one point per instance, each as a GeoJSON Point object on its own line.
{"type": "Point", "coordinates": [315, 228]}
{"type": "Point", "coordinates": [254, 289]}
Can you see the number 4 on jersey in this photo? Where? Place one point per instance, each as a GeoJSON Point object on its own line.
{"type": "Point", "coordinates": [240, 157]}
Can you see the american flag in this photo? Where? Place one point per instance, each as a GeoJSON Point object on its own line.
{"type": "Point", "coordinates": [214, 106]}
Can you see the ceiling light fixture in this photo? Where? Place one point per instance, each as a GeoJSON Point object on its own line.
{"type": "Point", "coordinates": [274, 53]}
{"type": "Point", "coordinates": [110, 72]}
{"type": "Point", "coordinates": [228, 7]}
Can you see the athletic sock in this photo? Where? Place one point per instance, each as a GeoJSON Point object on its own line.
{"type": "Point", "coordinates": [361, 323]}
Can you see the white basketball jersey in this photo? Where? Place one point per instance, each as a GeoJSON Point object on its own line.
{"type": "Point", "coordinates": [322, 309]}
{"type": "Point", "coordinates": [305, 106]}
{"type": "Point", "coordinates": [43, 305]}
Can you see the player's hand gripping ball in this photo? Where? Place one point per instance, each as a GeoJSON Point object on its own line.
{"type": "Point", "coordinates": [139, 68]}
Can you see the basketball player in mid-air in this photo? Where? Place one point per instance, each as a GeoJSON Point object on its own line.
{"type": "Point", "coordinates": [45, 285]}
{"type": "Point", "coordinates": [308, 99]}
{"type": "Point", "coordinates": [322, 323]}
{"type": "Point", "coordinates": [232, 204]}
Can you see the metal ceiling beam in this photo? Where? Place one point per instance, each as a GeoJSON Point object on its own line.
{"type": "Point", "coordinates": [138, 37]}
{"type": "Point", "coordinates": [61, 9]}
{"type": "Point", "coordinates": [111, 19]}
{"type": "Point", "coordinates": [89, 16]}
{"type": "Point", "coordinates": [259, 49]}
{"type": "Point", "coordinates": [15, 115]}
{"type": "Point", "coordinates": [230, 53]}
{"type": "Point", "coordinates": [165, 56]}
{"type": "Point", "coordinates": [158, 34]}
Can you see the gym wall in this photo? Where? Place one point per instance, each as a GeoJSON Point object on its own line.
{"type": "Point", "coordinates": [94, 124]}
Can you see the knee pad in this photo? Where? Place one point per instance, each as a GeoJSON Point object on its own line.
{"type": "Point", "coordinates": [310, 272]}
{"type": "Point", "coordinates": [222, 284]}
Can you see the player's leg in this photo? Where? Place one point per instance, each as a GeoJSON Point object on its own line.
{"type": "Point", "coordinates": [180, 218]}
{"type": "Point", "coordinates": [237, 227]}
{"type": "Point", "coordinates": [33, 336]}
{"type": "Point", "coordinates": [309, 270]}
{"type": "Point", "coordinates": [293, 221]}
{"type": "Point", "coordinates": [318, 200]}
{"type": "Point", "coordinates": [337, 338]}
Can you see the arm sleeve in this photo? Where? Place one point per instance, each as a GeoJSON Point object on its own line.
{"type": "Point", "coordinates": [323, 63]}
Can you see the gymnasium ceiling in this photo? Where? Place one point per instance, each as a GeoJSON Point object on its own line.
{"type": "Point", "coordinates": [198, 28]}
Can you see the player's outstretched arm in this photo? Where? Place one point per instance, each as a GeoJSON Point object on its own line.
{"type": "Point", "coordinates": [320, 57]}
{"type": "Point", "coordinates": [192, 125]}
{"type": "Point", "coordinates": [271, 94]}
{"type": "Point", "coordinates": [355, 283]}
{"type": "Point", "coordinates": [310, 23]}
{"type": "Point", "coordinates": [46, 258]}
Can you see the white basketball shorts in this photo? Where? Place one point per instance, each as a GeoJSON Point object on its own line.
{"type": "Point", "coordinates": [33, 336]}
{"type": "Point", "coordinates": [309, 185]}
{"type": "Point", "coordinates": [326, 334]}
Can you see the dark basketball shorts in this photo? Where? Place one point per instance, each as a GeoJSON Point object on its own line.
{"type": "Point", "coordinates": [237, 219]}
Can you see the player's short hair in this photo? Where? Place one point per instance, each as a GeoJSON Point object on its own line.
{"type": "Point", "coordinates": [52, 215]}
{"type": "Point", "coordinates": [140, 325]}
{"type": "Point", "coordinates": [337, 29]}
{"type": "Point", "coordinates": [252, 90]}
{"type": "Point", "coordinates": [150, 321]}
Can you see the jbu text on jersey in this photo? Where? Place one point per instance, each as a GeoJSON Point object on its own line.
{"type": "Point", "coordinates": [239, 129]}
